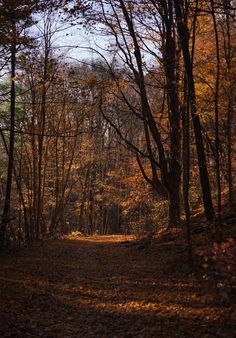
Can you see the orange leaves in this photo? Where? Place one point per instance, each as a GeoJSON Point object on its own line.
{"type": "Point", "coordinates": [91, 81]}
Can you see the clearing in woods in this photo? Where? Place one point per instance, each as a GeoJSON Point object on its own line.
{"type": "Point", "coordinates": [101, 287]}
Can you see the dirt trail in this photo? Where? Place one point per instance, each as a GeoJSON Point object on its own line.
{"type": "Point", "coordinates": [98, 287]}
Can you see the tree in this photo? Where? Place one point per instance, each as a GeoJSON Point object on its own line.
{"type": "Point", "coordinates": [16, 16]}
{"type": "Point", "coordinates": [183, 32]}
{"type": "Point", "coordinates": [125, 22]}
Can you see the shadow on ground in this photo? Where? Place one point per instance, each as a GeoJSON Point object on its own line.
{"type": "Point", "coordinates": [97, 287]}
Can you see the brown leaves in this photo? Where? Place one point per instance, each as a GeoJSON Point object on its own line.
{"type": "Point", "coordinates": [97, 287]}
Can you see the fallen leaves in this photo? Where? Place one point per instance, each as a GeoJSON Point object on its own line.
{"type": "Point", "coordinates": [97, 287]}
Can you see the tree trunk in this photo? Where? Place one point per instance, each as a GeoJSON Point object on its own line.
{"type": "Point", "coordinates": [230, 108]}
{"type": "Point", "coordinates": [174, 209]}
{"type": "Point", "coordinates": [171, 72]}
{"type": "Point", "coordinates": [186, 172]}
{"type": "Point", "coordinates": [217, 140]}
{"type": "Point", "coordinates": [183, 32]}
{"type": "Point", "coordinates": [7, 202]}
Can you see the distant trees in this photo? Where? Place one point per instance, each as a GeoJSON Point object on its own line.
{"type": "Point", "coordinates": [163, 40]}
{"type": "Point", "coordinates": [125, 22]}
{"type": "Point", "coordinates": [110, 146]}
{"type": "Point", "coordinates": [168, 34]}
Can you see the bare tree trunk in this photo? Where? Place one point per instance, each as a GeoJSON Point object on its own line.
{"type": "Point", "coordinates": [19, 187]}
{"type": "Point", "coordinates": [186, 173]}
{"type": "Point", "coordinates": [183, 32]}
{"type": "Point", "coordinates": [7, 202]}
{"type": "Point", "coordinates": [217, 140]}
{"type": "Point", "coordinates": [230, 109]}
{"type": "Point", "coordinates": [171, 73]}
{"type": "Point", "coordinates": [40, 150]}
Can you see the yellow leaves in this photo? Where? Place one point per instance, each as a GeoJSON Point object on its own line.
{"type": "Point", "coordinates": [74, 235]}
{"type": "Point", "coordinates": [116, 87]}
{"type": "Point", "coordinates": [47, 85]}
{"type": "Point", "coordinates": [73, 166]}
{"type": "Point", "coordinates": [112, 174]}
{"type": "Point", "coordinates": [18, 77]}
{"type": "Point", "coordinates": [122, 84]}
{"type": "Point", "coordinates": [99, 198]}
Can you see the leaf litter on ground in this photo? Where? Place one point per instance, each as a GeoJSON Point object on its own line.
{"type": "Point", "coordinates": [106, 287]}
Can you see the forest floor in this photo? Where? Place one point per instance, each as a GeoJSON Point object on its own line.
{"type": "Point", "coordinates": [107, 287]}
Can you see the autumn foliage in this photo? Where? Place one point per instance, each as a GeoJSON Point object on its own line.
{"type": "Point", "coordinates": [117, 137]}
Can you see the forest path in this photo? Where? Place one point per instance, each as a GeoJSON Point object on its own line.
{"type": "Point", "coordinates": [100, 287]}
